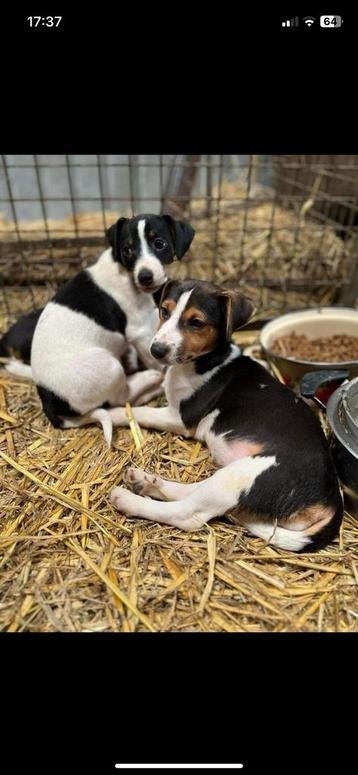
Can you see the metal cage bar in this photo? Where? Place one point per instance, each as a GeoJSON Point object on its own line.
{"type": "Point", "coordinates": [237, 204]}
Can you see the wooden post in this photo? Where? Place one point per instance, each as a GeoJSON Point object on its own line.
{"type": "Point", "coordinates": [179, 186]}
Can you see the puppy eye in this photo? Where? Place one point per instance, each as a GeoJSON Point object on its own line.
{"type": "Point", "coordinates": [196, 323]}
{"type": "Point", "coordinates": [159, 244]}
{"type": "Point", "coordinates": [164, 313]}
{"type": "Point", "coordinates": [127, 251]}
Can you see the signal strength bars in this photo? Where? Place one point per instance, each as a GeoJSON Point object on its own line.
{"type": "Point", "coordinates": [291, 22]}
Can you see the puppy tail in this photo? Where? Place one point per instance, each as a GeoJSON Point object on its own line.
{"type": "Point", "coordinates": [98, 415]}
{"type": "Point", "coordinates": [104, 418]}
{"type": "Point", "coordinates": [19, 369]}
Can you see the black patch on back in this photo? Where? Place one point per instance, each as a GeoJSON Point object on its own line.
{"type": "Point", "coordinates": [18, 339]}
{"type": "Point", "coordinates": [286, 427]}
{"type": "Point", "coordinates": [55, 407]}
{"type": "Point", "coordinates": [81, 294]}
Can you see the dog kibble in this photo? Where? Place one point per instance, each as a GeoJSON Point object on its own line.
{"type": "Point", "coordinates": [327, 349]}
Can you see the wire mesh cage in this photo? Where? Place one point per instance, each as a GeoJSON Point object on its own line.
{"type": "Point", "coordinates": [283, 228]}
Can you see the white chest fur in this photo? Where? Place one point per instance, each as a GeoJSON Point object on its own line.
{"type": "Point", "coordinates": [181, 380]}
{"type": "Point", "coordinates": [139, 308]}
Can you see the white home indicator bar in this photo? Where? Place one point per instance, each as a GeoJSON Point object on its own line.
{"type": "Point", "coordinates": [178, 766]}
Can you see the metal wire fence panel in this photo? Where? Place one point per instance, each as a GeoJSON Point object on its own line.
{"type": "Point", "coordinates": [283, 228]}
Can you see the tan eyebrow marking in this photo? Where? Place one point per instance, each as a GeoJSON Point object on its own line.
{"type": "Point", "coordinates": [200, 341]}
{"type": "Point", "coordinates": [193, 312]}
{"type": "Point", "coordinates": [169, 304]}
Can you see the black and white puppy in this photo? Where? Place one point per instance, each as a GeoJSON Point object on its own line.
{"type": "Point", "coordinates": [276, 475]}
{"type": "Point", "coordinates": [103, 314]}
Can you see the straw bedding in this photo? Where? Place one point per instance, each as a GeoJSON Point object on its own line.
{"type": "Point", "coordinates": [70, 562]}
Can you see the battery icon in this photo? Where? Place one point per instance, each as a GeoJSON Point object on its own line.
{"type": "Point", "coordinates": [330, 21]}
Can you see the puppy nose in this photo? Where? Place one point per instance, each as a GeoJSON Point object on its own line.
{"type": "Point", "coordinates": [145, 277]}
{"type": "Point", "coordinates": [159, 350]}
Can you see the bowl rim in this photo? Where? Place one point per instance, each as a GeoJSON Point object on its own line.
{"type": "Point", "coordinates": [316, 312]}
{"type": "Point", "coordinates": [335, 422]}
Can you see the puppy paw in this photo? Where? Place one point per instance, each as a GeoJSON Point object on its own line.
{"type": "Point", "coordinates": [120, 498]}
{"type": "Point", "coordinates": [140, 482]}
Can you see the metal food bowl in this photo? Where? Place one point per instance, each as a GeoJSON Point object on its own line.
{"type": "Point", "coordinates": [313, 323]}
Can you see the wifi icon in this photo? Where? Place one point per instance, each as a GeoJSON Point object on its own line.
{"type": "Point", "coordinates": [309, 20]}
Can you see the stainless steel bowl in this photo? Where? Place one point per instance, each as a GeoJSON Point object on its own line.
{"type": "Point", "coordinates": [342, 416]}
{"type": "Point", "coordinates": [314, 323]}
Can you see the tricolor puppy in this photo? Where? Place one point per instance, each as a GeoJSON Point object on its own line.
{"type": "Point", "coordinates": [276, 476]}
{"type": "Point", "coordinates": [100, 317]}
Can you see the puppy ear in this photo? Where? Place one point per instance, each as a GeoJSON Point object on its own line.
{"type": "Point", "coordinates": [160, 294]}
{"type": "Point", "coordinates": [238, 310]}
{"type": "Point", "coordinates": [113, 235]}
{"type": "Point", "coordinates": [182, 234]}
